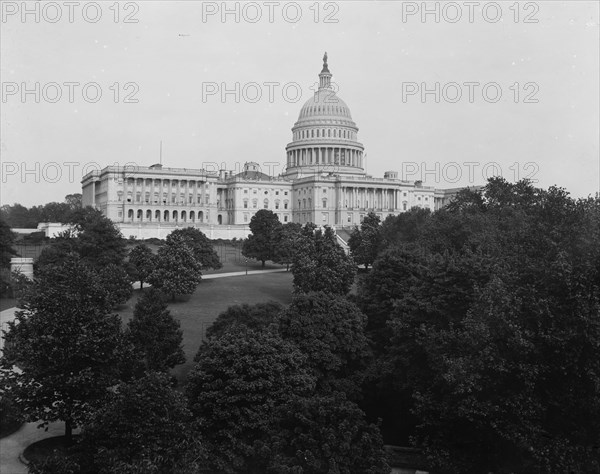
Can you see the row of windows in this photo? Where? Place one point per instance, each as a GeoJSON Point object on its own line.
{"type": "Point", "coordinates": [320, 133]}
{"type": "Point", "coordinates": [164, 216]}
{"type": "Point", "coordinates": [326, 109]}
{"type": "Point", "coordinates": [285, 193]}
{"type": "Point", "coordinates": [156, 199]}
{"type": "Point", "coordinates": [247, 217]}
{"type": "Point", "coordinates": [265, 204]}
{"type": "Point", "coordinates": [303, 202]}
{"type": "Point", "coordinates": [165, 182]}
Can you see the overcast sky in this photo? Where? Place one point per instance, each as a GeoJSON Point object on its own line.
{"type": "Point", "coordinates": [171, 66]}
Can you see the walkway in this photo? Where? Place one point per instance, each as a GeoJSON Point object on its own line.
{"type": "Point", "coordinates": [13, 446]}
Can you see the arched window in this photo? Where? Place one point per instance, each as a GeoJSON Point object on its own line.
{"type": "Point", "coordinates": [140, 215]}
{"type": "Point", "coordinates": [148, 215]}
{"type": "Point", "coordinates": [130, 214]}
{"type": "Point", "coordinates": [192, 216]}
{"type": "Point", "coordinates": [183, 216]}
{"type": "Point", "coordinates": [200, 216]}
{"type": "Point", "coordinates": [166, 216]}
{"type": "Point", "coordinates": [175, 216]}
{"type": "Point", "coordinates": [157, 216]}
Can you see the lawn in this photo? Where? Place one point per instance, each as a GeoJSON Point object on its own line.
{"type": "Point", "coordinates": [213, 297]}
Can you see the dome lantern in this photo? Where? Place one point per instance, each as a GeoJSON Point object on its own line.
{"type": "Point", "coordinates": [325, 76]}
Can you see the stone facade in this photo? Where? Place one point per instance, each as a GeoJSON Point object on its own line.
{"type": "Point", "coordinates": [324, 182]}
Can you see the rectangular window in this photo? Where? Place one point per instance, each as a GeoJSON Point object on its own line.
{"type": "Point", "coordinates": [285, 218]}
{"type": "Point", "coordinates": [285, 205]}
{"type": "Point", "coordinates": [245, 204]}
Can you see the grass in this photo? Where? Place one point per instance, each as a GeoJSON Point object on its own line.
{"type": "Point", "coordinates": [40, 450]}
{"type": "Point", "coordinates": [213, 297]}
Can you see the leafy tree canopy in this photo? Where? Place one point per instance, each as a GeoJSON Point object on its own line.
{"type": "Point", "coordinates": [7, 239]}
{"type": "Point", "coordinates": [201, 245]}
{"type": "Point", "coordinates": [330, 331]}
{"type": "Point", "coordinates": [262, 243]}
{"type": "Point", "coordinates": [365, 241]}
{"type": "Point", "coordinates": [69, 349]}
{"type": "Point", "coordinates": [155, 333]}
{"type": "Point", "coordinates": [144, 426]}
{"type": "Point", "coordinates": [177, 272]}
{"type": "Point", "coordinates": [495, 335]}
{"type": "Point", "coordinates": [143, 261]}
{"type": "Point", "coordinates": [324, 434]}
{"type": "Point", "coordinates": [320, 264]}
{"type": "Point", "coordinates": [287, 243]}
{"type": "Point", "coordinates": [238, 381]}
{"type": "Point", "coordinates": [257, 317]}
{"type": "Point", "coordinates": [94, 237]}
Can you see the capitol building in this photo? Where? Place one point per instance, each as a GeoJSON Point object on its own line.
{"type": "Point", "coordinates": [324, 182]}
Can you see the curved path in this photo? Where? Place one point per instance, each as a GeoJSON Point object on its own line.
{"type": "Point", "coordinates": [11, 447]}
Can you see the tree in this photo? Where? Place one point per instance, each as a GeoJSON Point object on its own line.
{"type": "Point", "coordinates": [144, 426]}
{"type": "Point", "coordinates": [116, 282]}
{"type": "Point", "coordinates": [239, 380]}
{"type": "Point", "coordinates": [495, 336]}
{"type": "Point", "coordinates": [74, 201]}
{"type": "Point", "coordinates": [324, 434]}
{"type": "Point", "coordinates": [406, 227]}
{"type": "Point", "coordinates": [365, 242]}
{"type": "Point", "coordinates": [7, 239]}
{"type": "Point", "coordinates": [143, 260]}
{"type": "Point", "coordinates": [92, 236]}
{"type": "Point", "coordinates": [330, 331]}
{"type": "Point", "coordinates": [287, 242]}
{"type": "Point", "coordinates": [19, 217]}
{"type": "Point", "coordinates": [257, 317]}
{"type": "Point", "coordinates": [177, 272]}
{"type": "Point", "coordinates": [203, 249]}
{"type": "Point", "coordinates": [320, 264]}
{"type": "Point", "coordinates": [155, 333]}
{"type": "Point", "coordinates": [68, 348]}
{"type": "Point", "coordinates": [262, 243]}
{"type": "Point", "coordinates": [99, 240]}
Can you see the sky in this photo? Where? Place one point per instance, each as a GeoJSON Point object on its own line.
{"type": "Point", "coordinates": [449, 93]}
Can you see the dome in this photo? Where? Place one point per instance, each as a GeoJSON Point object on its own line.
{"type": "Point", "coordinates": [325, 105]}
{"type": "Point", "coordinates": [324, 138]}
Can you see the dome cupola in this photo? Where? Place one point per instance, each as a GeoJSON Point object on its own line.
{"type": "Point", "coordinates": [324, 136]}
